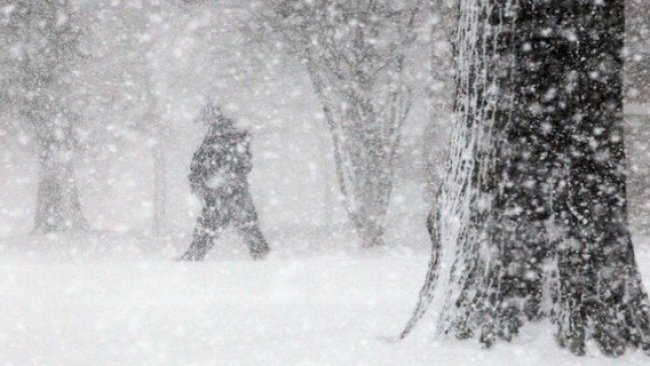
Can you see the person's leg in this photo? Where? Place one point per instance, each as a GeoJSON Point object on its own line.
{"type": "Point", "coordinates": [252, 236]}
{"type": "Point", "coordinates": [247, 225]}
{"type": "Point", "coordinates": [207, 229]}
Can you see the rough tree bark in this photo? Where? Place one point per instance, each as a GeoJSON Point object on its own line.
{"type": "Point", "coordinates": [600, 294]}
{"type": "Point", "coordinates": [535, 198]}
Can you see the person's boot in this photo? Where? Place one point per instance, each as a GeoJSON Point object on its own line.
{"type": "Point", "coordinates": [192, 255]}
{"type": "Point", "coordinates": [260, 252]}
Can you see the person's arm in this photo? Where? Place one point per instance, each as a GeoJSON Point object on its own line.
{"type": "Point", "coordinates": [197, 173]}
{"type": "Point", "coordinates": [244, 151]}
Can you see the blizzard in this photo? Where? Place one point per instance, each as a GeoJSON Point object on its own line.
{"type": "Point", "coordinates": [394, 176]}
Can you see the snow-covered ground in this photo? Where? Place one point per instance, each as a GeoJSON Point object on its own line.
{"type": "Point", "coordinates": [119, 299]}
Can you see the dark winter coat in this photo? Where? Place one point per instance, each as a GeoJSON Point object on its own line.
{"type": "Point", "coordinates": [222, 162]}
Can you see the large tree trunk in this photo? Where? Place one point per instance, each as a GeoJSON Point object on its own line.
{"type": "Point", "coordinates": [57, 207]}
{"type": "Point", "coordinates": [537, 179]}
{"type": "Point", "coordinates": [493, 212]}
{"type": "Point", "coordinates": [600, 293]}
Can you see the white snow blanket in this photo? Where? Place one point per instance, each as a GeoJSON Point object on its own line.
{"type": "Point", "coordinates": [115, 299]}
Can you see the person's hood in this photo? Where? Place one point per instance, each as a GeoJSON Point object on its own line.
{"type": "Point", "coordinates": [224, 127]}
{"type": "Point", "coordinates": [210, 112]}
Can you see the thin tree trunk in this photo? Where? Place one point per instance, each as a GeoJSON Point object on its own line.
{"type": "Point", "coordinates": [160, 188]}
{"type": "Point", "coordinates": [157, 129]}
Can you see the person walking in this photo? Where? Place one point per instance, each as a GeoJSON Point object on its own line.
{"type": "Point", "coordinates": [218, 176]}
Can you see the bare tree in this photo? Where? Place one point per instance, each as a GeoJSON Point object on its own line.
{"type": "Point", "coordinates": [535, 198]}
{"type": "Point", "coordinates": [38, 45]}
{"type": "Point", "coordinates": [354, 52]}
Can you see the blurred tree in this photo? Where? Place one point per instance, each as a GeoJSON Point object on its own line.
{"type": "Point", "coordinates": [38, 46]}
{"type": "Point", "coordinates": [354, 52]}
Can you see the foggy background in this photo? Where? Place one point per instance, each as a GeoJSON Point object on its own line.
{"type": "Point", "coordinates": [147, 68]}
